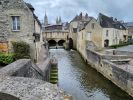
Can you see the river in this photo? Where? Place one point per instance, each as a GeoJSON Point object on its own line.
{"type": "Point", "coordinates": [82, 81]}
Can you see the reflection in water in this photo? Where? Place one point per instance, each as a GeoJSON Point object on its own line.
{"type": "Point", "coordinates": [83, 82]}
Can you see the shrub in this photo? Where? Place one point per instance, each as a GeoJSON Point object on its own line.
{"type": "Point", "coordinates": [21, 50]}
{"type": "Point", "coordinates": [6, 59]}
{"type": "Point", "coordinates": [122, 44]}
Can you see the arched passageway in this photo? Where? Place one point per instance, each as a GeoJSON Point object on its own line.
{"type": "Point", "coordinates": [52, 43]}
{"type": "Point", "coordinates": [106, 43]}
{"type": "Point", "coordinates": [61, 42]}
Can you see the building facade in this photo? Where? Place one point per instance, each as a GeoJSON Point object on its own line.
{"type": "Point", "coordinates": [100, 33]}
{"type": "Point", "coordinates": [129, 26]}
{"type": "Point", "coordinates": [75, 25]}
{"type": "Point", "coordinates": [19, 23]}
{"type": "Point", "coordinates": [56, 34]}
{"type": "Point", "coordinates": [114, 32]}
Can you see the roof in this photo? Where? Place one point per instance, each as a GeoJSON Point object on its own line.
{"type": "Point", "coordinates": [53, 27]}
{"type": "Point", "coordinates": [109, 22]}
{"type": "Point", "coordinates": [37, 20]}
{"type": "Point", "coordinates": [32, 9]}
{"type": "Point", "coordinates": [81, 17]}
{"type": "Point", "coordinates": [30, 6]}
{"type": "Point", "coordinates": [85, 24]}
{"type": "Point", "coordinates": [129, 24]}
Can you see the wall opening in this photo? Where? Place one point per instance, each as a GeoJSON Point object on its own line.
{"type": "Point", "coordinates": [52, 43]}
{"type": "Point", "coordinates": [61, 42]}
{"type": "Point", "coordinates": [70, 43]}
{"type": "Point", "coordinates": [106, 43]}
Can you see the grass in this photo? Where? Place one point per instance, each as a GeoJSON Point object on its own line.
{"type": "Point", "coordinates": [122, 44]}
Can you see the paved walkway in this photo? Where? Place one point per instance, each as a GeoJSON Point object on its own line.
{"type": "Point", "coordinates": [127, 67]}
{"type": "Point", "coordinates": [126, 48]}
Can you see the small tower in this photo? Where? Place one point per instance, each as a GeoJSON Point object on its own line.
{"type": "Point", "coordinates": [60, 21]}
{"type": "Point", "coordinates": [80, 16]}
{"type": "Point", "coordinates": [86, 16]}
{"type": "Point", "coordinates": [45, 20]}
{"type": "Point", "coordinates": [57, 20]}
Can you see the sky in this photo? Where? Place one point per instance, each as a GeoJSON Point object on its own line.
{"type": "Point", "coordinates": [68, 9]}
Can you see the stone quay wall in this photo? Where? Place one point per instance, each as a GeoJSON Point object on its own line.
{"type": "Point", "coordinates": [119, 76]}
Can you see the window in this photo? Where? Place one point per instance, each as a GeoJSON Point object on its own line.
{"type": "Point", "coordinates": [15, 23]}
{"type": "Point", "coordinates": [75, 30]}
{"type": "Point", "coordinates": [93, 25]}
{"type": "Point", "coordinates": [107, 33]}
{"type": "Point", "coordinates": [88, 36]}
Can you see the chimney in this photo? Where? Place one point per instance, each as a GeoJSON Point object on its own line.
{"type": "Point", "coordinates": [111, 18]}
{"type": "Point", "coordinates": [115, 20]}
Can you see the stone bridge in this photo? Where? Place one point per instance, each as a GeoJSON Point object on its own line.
{"type": "Point", "coordinates": [56, 37]}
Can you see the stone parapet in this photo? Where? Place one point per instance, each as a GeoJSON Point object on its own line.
{"type": "Point", "coordinates": [117, 73]}
{"type": "Point", "coordinates": [29, 89]}
{"type": "Point", "coordinates": [20, 81]}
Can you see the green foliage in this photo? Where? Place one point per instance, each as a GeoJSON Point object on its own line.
{"type": "Point", "coordinates": [6, 59]}
{"type": "Point", "coordinates": [21, 50]}
{"type": "Point", "coordinates": [122, 44]}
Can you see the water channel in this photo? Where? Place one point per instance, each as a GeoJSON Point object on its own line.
{"type": "Point", "coordinates": [82, 81]}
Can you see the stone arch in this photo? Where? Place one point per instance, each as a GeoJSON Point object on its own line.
{"type": "Point", "coordinates": [70, 43]}
{"type": "Point", "coordinates": [106, 43]}
{"type": "Point", "coordinates": [52, 43]}
{"type": "Point", "coordinates": [61, 42]}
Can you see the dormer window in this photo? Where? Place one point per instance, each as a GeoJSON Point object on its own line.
{"type": "Point", "coordinates": [15, 23]}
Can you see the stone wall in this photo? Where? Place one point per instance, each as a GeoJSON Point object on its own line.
{"type": "Point", "coordinates": [28, 25]}
{"type": "Point", "coordinates": [117, 75]}
{"type": "Point", "coordinates": [23, 68]}
{"type": "Point", "coordinates": [20, 81]}
{"type": "Point", "coordinates": [118, 52]}
{"type": "Point", "coordinates": [26, 68]}
{"type": "Point", "coordinates": [19, 88]}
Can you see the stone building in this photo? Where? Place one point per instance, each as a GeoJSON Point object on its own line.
{"type": "Point", "coordinates": [129, 26]}
{"type": "Point", "coordinates": [56, 34]}
{"type": "Point", "coordinates": [113, 31]}
{"type": "Point", "coordinates": [103, 32]}
{"type": "Point", "coordinates": [75, 26]}
{"type": "Point", "coordinates": [19, 23]}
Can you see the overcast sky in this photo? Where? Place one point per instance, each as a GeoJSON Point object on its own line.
{"type": "Point", "coordinates": [67, 9]}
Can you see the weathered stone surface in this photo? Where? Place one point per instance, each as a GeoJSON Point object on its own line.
{"type": "Point", "coordinates": [30, 89]}
{"type": "Point", "coordinates": [22, 68]}
{"type": "Point", "coordinates": [21, 79]}
{"type": "Point", "coordinates": [118, 74]}
{"type": "Point", "coordinates": [29, 24]}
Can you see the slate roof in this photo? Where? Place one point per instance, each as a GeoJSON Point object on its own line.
{"type": "Point", "coordinates": [81, 17]}
{"type": "Point", "coordinates": [32, 9]}
{"type": "Point", "coordinates": [85, 24]}
{"type": "Point", "coordinates": [53, 27]}
{"type": "Point", "coordinates": [129, 24]}
{"type": "Point", "coordinates": [109, 22]}
{"type": "Point", "coordinates": [30, 6]}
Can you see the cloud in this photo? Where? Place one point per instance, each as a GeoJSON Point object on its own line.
{"type": "Point", "coordinates": [67, 9]}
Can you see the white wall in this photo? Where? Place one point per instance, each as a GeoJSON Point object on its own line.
{"type": "Point", "coordinates": [114, 35]}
